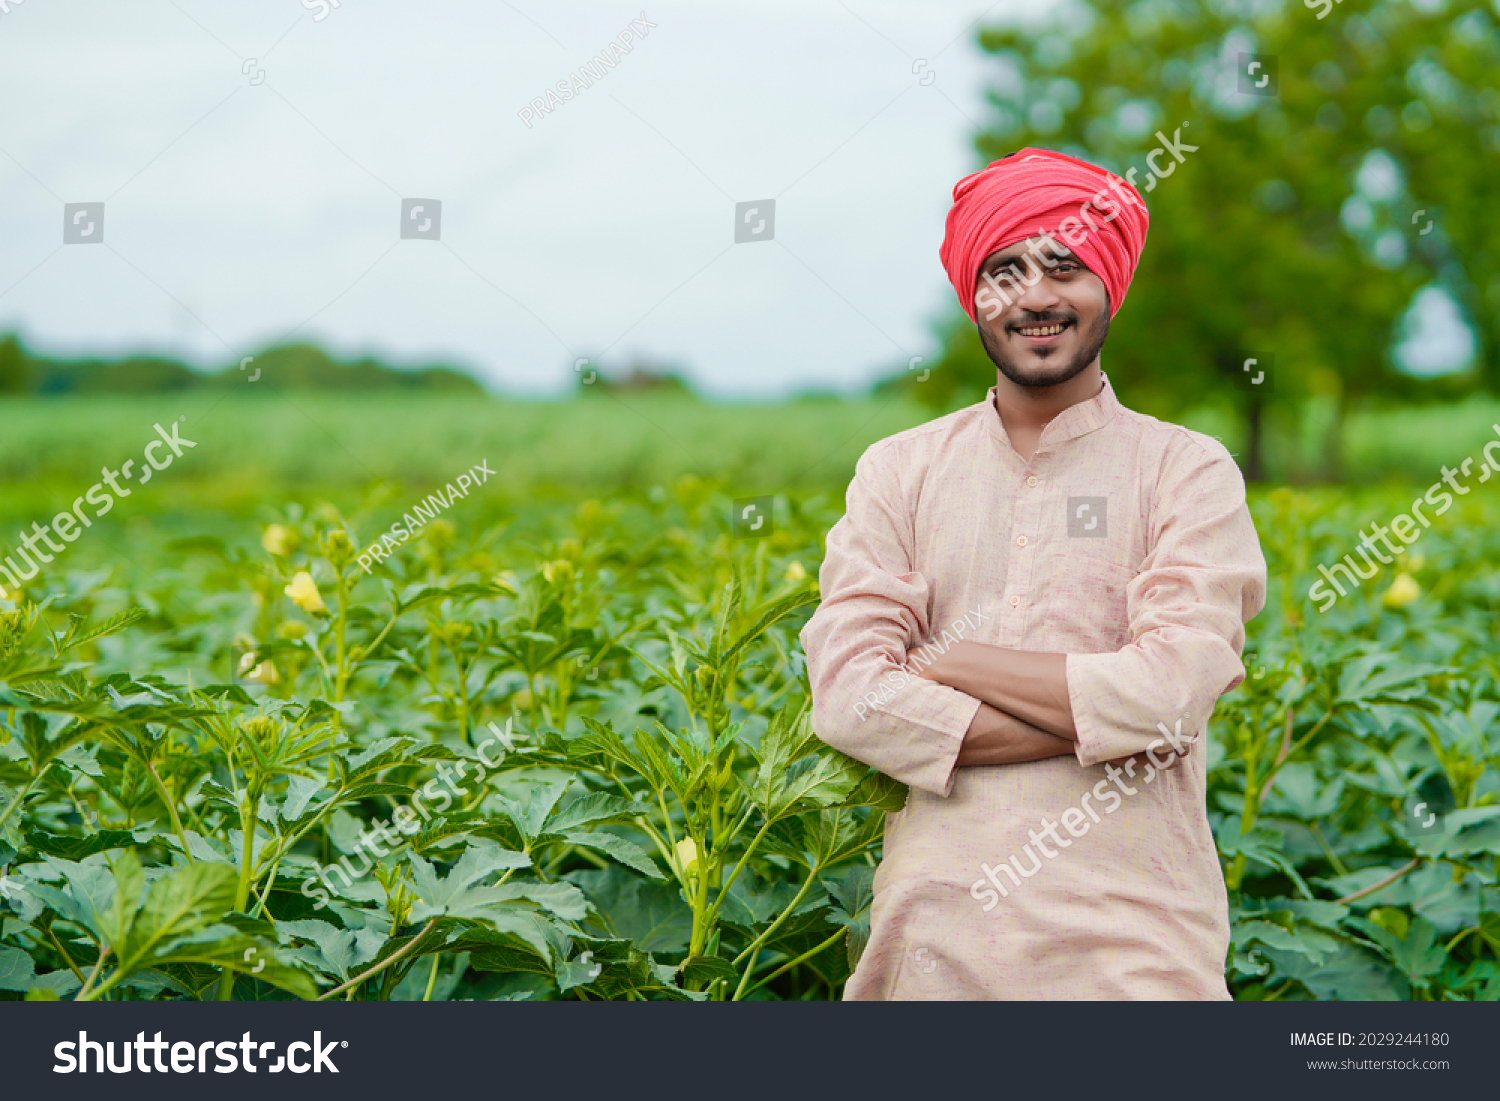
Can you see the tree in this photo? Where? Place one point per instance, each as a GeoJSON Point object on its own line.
{"type": "Point", "coordinates": [1281, 228]}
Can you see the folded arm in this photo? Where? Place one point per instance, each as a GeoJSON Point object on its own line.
{"type": "Point", "coordinates": [1204, 578]}
{"type": "Point", "coordinates": [1032, 687]}
{"type": "Point", "coordinates": [1020, 682]}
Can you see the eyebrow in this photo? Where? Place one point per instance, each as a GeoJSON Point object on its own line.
{"type": "Point", "coordinates": [1059, 253]}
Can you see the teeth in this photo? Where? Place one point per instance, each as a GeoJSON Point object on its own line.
{"type": "Point", "coordinates": [1050, 330]}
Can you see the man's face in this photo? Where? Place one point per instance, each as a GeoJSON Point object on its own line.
{"type": "Point", "coordinates": [1062, 292]}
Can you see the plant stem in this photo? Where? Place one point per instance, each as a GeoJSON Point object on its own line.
{"type": "Point", "coordinates": [249, 806]}
{"type": "Point", "coordinates": [1333, 857]}
{"type": "Point", "coordinates": [812, 876]}
{"type": "Point", "coordinates": [809, 954]}
{"type": "Point", "coordinates": [739, 991]}
{"type": "Point", "coordinates": [1386, 882]}
{"type": "Point", "coordinates": [73, 967]}
{"type": "Point", "coordinates": [16, 802]}
{"type": "Point", "coordinates": [94, 974]}
{"type": "Point", "coordinates": [382, 965]}
{"type": "Point", "coordinates": [734, 875]}
{"type": "Point", "coordinates": [463, 694]}
{"type": "Point", "coordinates": [432, 977]}
{"type": "Point", "coordinates": [342, 655]}
{"type": "Point", "coordinates": [171, 810]}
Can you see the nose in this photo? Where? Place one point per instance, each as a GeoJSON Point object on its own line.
{"type": "Point", "coordinates": [1040, 297]}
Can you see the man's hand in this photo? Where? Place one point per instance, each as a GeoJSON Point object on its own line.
{"type": "Point", "coordinates": [995, 738]}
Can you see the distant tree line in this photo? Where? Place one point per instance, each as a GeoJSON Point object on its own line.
{"type": "Point", "coordinates": [293, 367]}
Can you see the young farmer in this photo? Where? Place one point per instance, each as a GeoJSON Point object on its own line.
{"type": "Point", "coordinates": [1055, 843]}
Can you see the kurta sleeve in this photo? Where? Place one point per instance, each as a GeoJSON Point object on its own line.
{"type": "Point", "coordinates": [1202, 581]}
{"type": "Point", "coordinates": [875, 607]}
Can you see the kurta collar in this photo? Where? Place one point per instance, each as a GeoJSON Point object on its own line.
{"type": "Point", "coordinates": [1074, 421]}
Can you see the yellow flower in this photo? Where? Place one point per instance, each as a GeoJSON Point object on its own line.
{"type": "Point", "coordinates": [687, 855]}
{"type": "Point", "coordinates": [796, 571]}
{"type": "Point", "coordinates": [558, 571]}
{"type": "Point", "coordinates": [280, 540]}
{"type": "Point", "coordinates": [304, 593]}
{"type": "Point", "coordinates": [264, 673]}
{"type": "Point", "coordinates": [1402, 592]}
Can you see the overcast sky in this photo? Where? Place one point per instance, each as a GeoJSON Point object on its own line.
{"type": "Point", "coordinates": [253, 159]}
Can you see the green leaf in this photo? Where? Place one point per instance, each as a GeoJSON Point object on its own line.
{"type": "Point", "coordinates": [337, 951]}
{"type": "Point", "coordinates": [1418, 954]}
{"type": "Point", "coordinates": [457, 895]}
{"type": "Point", "coordinates": [560, 899]}
{"type": "Point", "coordinates": [509, 940]}
{"type": "Point", "coordinates": [177, 905]}
{"type": "Point", "coordinates": [223, 946]}
{"type": "Point", "coordinates": [299, 793]}
{"type": "Point", "coordinates": [822, 781]}
{"type": "Point", "coordinates": [836, 835]}
{"type": "Point", "coordinates": [1353, 973]}
{"type": "Point", "coordinates": [705, 969]}
{"type": "Point", "coordinates": [16, 969]}
{"type": "Point", "coordinates": [78, 848]}
{"type": "Point", "coordinates": [626, 852]}
{"type": "Point", "coordinates": [1313, 945]}
{"type": "Point", "coordinates": [117, 918]}
{"type": "Point", "coordinates": [591, 808]}
{"type": "Point", "coordinates": [113, 625]}
{"type": "Point", "coordinates": [650, 914]}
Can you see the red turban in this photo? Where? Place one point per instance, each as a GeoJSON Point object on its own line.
{"type": "Point", "coordinates": [1038, 191]}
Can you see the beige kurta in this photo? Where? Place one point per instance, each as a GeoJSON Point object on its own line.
{"type": "Point", "coordinates": [1125, 543]}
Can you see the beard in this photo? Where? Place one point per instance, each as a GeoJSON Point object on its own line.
{"type": "Point", "coordinates": [1049, 373]}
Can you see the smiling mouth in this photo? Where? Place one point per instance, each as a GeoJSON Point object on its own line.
{"type": "Point", "coordinates": [1042, 332]}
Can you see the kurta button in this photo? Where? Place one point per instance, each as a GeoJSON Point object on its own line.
{"type": "Point", "coordinates": [1031, 481]}
{"type": "Point", "coordinates": [1021, 541]}
{"type": "Point", "coordinates": [1015, 601]}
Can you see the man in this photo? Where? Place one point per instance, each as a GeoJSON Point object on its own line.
{"type": "Point", "coordinates": [1072, 579]}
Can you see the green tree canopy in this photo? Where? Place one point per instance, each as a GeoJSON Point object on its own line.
{"type": "Point", "coordinates": [1288, 232]}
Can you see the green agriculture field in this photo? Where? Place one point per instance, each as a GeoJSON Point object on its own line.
{"type": "Point", "coordinates": [257, 448]}
{"type": "Point", "coordinates": [555, 745]}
